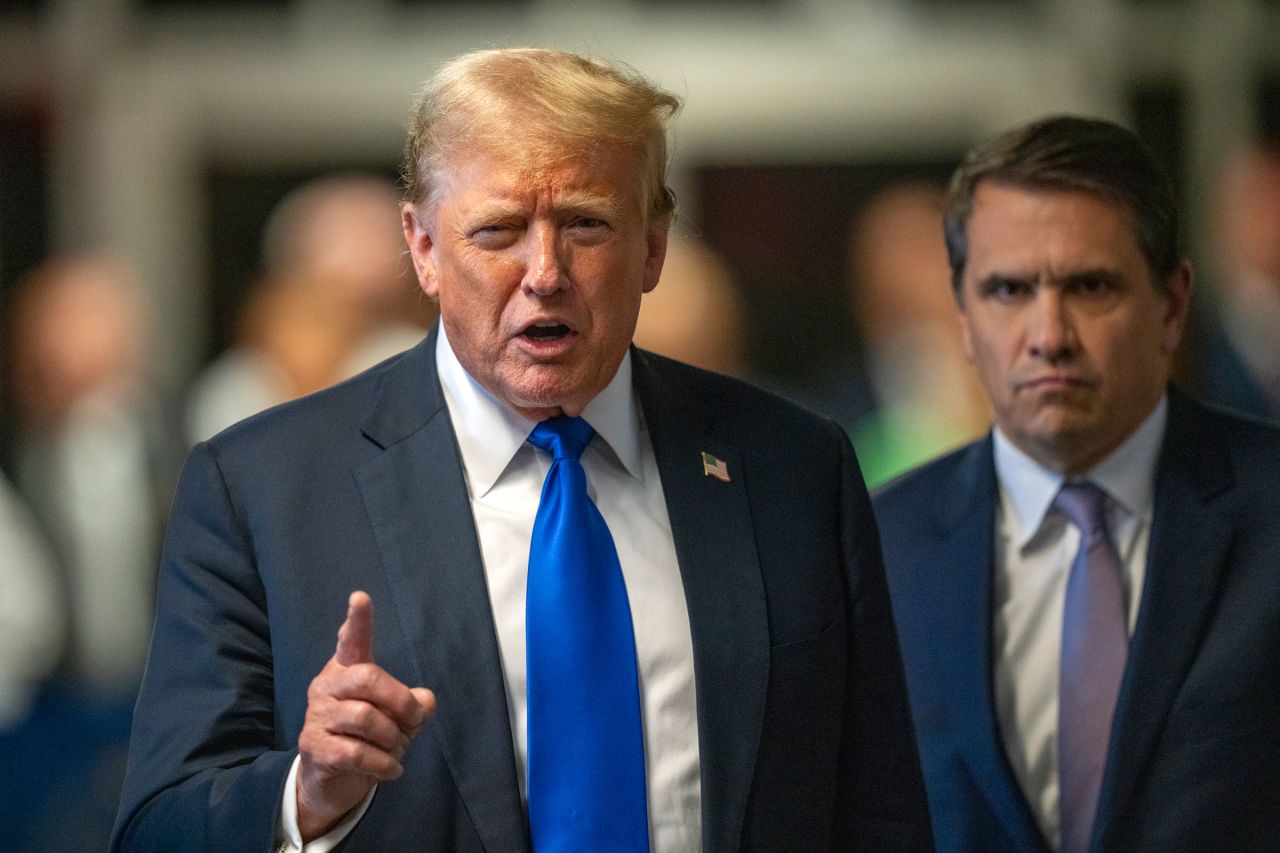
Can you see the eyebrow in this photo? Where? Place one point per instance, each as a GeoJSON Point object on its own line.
{"type": "Point", "coordinates": [1074, 277]}
{"type": "Point", "coordinates": [1100, 273]}
{"type": "Point", "coordinates": [584, 202]}
{"type": "Point", "coordinates": [501, 210]}
{"type": "Point", "coordinates": [991, 280]}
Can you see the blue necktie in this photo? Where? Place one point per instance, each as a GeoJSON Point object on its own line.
{"type": "Point", "coordinates": [1095, 646]}
{"type": "Point", "coordinates": [586, 748]}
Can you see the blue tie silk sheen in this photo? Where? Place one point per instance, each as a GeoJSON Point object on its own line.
{"type": "Point", "coordinates": [1095, 647]}
{"type": "Point", "coordinates": [586, 782]}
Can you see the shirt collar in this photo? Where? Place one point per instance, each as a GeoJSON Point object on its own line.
{"type": "Point", "coordinates": [490, 433]}
{"type": "Point", "coordinates": [1127, 475]}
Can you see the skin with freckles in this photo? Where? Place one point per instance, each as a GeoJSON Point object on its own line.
{"type": "Point", "coordinates": [564, 251]}
{"type": "Point", "coordinates": [1061, 314]}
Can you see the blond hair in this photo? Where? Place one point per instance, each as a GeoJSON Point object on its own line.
{"type": "Point", "coordinates": [550, 104]}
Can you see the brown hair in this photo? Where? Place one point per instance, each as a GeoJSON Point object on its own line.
{"type": "Point", "coordinates": [1071, 153]}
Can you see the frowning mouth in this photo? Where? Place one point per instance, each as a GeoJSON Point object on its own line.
{"type": "Point", "coordinates": [1054, 383]}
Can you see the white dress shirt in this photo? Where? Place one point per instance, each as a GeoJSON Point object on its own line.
{"type": "Point", "coordinates": [90, 480]}
{"type": "Point", "coordinates": [32, 617]}
{"type": "Point", "coordinates": [1035, 547]}
{"type": "Point", "coordinates": [504, 477]}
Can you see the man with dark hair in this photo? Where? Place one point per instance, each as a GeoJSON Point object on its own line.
{"type": "Point", "coordinates": [1087, 598]}
{"type": "Point", "coordinates": [623, 604]}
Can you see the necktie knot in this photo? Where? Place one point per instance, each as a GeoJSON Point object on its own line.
{"type": "Point", "coordinates": [1084, 505]}
{"type": "Point", "coordinates": [562, 437]}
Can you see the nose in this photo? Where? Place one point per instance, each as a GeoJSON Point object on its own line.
{"type": "Point", "coordinates": [1052, 336]}
{"type": "Point", "coordinates": [545, 270]}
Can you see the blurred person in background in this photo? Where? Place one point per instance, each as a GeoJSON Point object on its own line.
{"type": "Point", "coordinates": [32, 617]}
{"type": "Point", "coordinates": [334, 298]}
{"type": "Point", "coordinates": [696, 316]}
{"type": "Point", "coordinates": [94, 458]}
{"type": "Point", "coordinates": [32, 634]}
{"type": "Point", "coordinates": [927, 396]}
{"type": "Point", "coordinates": [1239, 354]}
{"type": "Point", "coordinates": [93, 455]}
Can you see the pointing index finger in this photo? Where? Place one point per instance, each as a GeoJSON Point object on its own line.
{"type": "Point", "coordinates": [355, 637]}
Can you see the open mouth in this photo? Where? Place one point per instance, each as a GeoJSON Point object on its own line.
{"type": "Point", "coordinates": [541, 332]}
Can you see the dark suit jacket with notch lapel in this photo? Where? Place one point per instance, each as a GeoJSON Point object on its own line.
{"type": "Point", "coordinates": [1194, 759]}
{"type": "Point", "coordinates": [803, 722]}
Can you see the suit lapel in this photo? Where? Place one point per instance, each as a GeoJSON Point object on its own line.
{"type": "Point", "coordinates": [715, 546]}
{"type": "Point", "coordinates": [1190, 538]}
{"type": "Point", "coordinates": [959, 570]}
{"type": "Point", "coordinates": [416, 498]}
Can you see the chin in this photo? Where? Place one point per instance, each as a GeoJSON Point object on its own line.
{"type": "Point", "coordinates": [539, 397]}
{"type": "Point", "coordinates": [555, 385]}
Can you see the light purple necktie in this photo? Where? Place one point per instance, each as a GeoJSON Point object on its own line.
{"type": "Point", "coordinates": [1095, 644]}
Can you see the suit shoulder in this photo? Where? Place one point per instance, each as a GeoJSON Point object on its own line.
{"type": "Point", "coordinates": [735, 401]}
{"type": "Point", "coordinates": [933, 497]}
{"type": "Point", "coordinates": [1251, 445]}
{"type": "Point", "coordinates": [1248, 434]}
{"type": "Point", "coordinates": [908, 492]}
{"type": "Point", "coordinates": [338, 409]}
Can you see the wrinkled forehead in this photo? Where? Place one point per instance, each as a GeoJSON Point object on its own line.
{"type": "Point", "coordinates": [547, 166]}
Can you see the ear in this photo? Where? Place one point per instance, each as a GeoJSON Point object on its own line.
{"type": "Point", "coordinates": [1177, 305]}
{"type": "Point", "coordinates": [962, 317]}
{"type": "Point", "coordinates": [655, 254]}
{"type": "Point", "coordinates": [420, 246]}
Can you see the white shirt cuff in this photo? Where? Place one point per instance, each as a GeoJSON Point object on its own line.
{"type": "Point", "coordinates": [290, 837]}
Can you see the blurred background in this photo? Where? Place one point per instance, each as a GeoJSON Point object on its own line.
{"type": "Point", "coordinates": [198, 220]}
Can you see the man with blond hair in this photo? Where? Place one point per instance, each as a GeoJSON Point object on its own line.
{"type": "Point", "coordinates": [622, 603]}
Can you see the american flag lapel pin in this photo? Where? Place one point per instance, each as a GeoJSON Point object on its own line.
{"type": "Point", "coordinates": [714, 467]}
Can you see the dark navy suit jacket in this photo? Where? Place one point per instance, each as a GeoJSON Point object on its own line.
{"type": "Point", "coordinates": [1194, 756]}
{"type": "Point", "coordinates": [803, 722]}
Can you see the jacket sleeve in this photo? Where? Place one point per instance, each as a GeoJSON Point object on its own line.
{"type": "Point", "coordinates": [205, 771]}
{"type": "Point", "coordinates": [881, 803]}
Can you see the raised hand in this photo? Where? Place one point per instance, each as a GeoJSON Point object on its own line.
{"type": "Point", "coordinates": [359, 723]}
